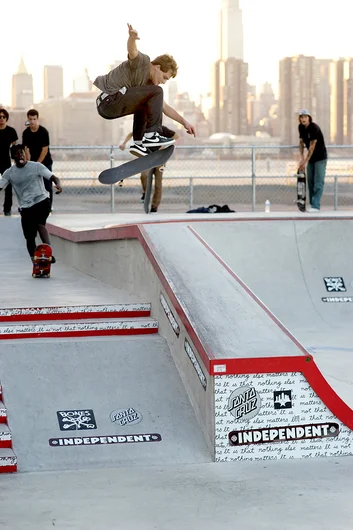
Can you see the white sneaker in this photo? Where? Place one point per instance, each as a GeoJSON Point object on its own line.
{"type": "Point", "coordinates": [139, 150]}
{"type": "Point", "coordinates": [313, 210]}
{"type": "Point", "coordinates": [157, 139]}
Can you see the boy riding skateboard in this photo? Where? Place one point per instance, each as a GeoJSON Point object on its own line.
{"type": "Point", "coordinates": [33, 199]}
{"type": "Point", "coordinates": [132, 88]}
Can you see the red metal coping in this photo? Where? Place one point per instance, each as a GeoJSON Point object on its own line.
{"type": "Point", "coordinates": [304, 364]}
{"type": "Point", "coordinates": [72, 316]}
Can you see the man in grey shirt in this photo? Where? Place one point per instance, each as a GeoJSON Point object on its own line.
{"type": "Point", "coordinates": [133, 88]}
{"type": "Point", "coordinates": [33, 199]}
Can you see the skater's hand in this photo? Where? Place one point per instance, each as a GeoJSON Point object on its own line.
{"type": "Point", "coordinates": [133, 33]}
{"type": "Point", "coordinates": [302, 165]}
{"type": "Point", "coordinates": [122, 147]}
{"type": "Point", "coordinates": [58, 189]}
{"type": "Point", "coordinates": [190, 129]}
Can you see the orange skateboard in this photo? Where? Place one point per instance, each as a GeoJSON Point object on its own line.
{"type": "Point", "coordinates": [42, 261]}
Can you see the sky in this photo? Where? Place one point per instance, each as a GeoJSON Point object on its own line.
{"type": "Point", "coordinates": [80, 34]}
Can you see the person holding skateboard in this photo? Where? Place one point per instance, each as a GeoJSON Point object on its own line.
{"type": "Point", "coordinates": [27, 181]}
{"type": "Point", "coordinates": [133, 88]}
{"type": "Point", "coordinates": [157, 172]}
{"type": "Point", "coordinates": [315, 161]}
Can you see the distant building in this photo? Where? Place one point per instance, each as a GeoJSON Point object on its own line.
{"type": "Point", "coordinates": [53, 82]}
{"type": "Point", "coordinates": [230, 96]}
{"type": "Point", "coordinates": [323, 104]}
{"type": "Point", "coordinates": [229, 75]}
{"type": "Point", "coordinates": [298, 89]}
{"type": "Point", "coordinates": [22, 88]}
{"type": "Point", "coordinates": [74, 121]}
{"type": "Point", "coordinates": [172, 92]}
{"type": "Point", "coordinates": [231, 31]}
{"type": "Point", "coordinates": [82, 83]}
{"type": "Point", "coordinates": [341, 102]}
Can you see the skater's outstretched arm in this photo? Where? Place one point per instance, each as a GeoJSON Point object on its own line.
{"type": "Point", "coordinates": [131, 42]}
{"type": "Point", "coordinates": [174, 115]}
{"type": "Point", "coordinates": [123, 144]}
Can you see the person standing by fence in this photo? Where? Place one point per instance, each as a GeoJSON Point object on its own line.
{"type": "Point", "coordinates": [311, 137]}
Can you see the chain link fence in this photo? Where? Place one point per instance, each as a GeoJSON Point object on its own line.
{"type": "Point", "coordinates": [243, 177]}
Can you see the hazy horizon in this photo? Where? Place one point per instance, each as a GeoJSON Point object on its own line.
{"type": "Point", "coordinates": [77, 37]}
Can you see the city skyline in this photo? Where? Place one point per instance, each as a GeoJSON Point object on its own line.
{"type": "Point", "coordinates": [270, 34]}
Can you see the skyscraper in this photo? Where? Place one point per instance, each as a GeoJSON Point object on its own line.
{"type": "Point", "coordinates": [22, 88]}
{"type": "Point", "coordinates": [229, 79]}
{"type": "Point", "coordinates": [231, 30]}
{"type": "Point", "coordinates": [53, 82]}
{"type": "Point", "coordinates": [298, 89]}
{"type": "Point", "coordinates": [341, 80]}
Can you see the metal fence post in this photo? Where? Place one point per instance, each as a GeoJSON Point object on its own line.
{"type": "Point", "coordinates": [335, 193]}
{"type": "Point", "coordinates": [112, 188]}
{"type": "Point", "coordinates": [191, 193]}
{"type": "Point", "coordinates": [253, 178]}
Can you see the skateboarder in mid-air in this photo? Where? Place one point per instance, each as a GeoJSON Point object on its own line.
{"type": "Point", "coordinates": [33, 199]}
{"type": "Point", "coordinates": [132, 88]}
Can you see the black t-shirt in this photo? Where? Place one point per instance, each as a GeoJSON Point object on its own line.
{"type": "Point", "coordinates": [7, 137]}
{"type": "Point", "coordinates": [35, 141]}
{"type": "Point", "coordinates": [313, 132]}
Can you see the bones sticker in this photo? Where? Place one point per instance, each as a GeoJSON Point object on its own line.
{"type": "Point", "coordinates": [334, 284]}
{"type": "Point", "coordinates": [72, 420]}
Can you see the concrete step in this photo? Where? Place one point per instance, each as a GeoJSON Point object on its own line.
{"type": "Point", "coordinates": [8, 461]}
{"type": "Point", "coordinates": [3, 413]}
{"type": "Point", "coordinates": [82, 328]}
{"type": "Point", "coordinates": [5, 436]}
{"type": "Point", "coordinates": [19, 314]}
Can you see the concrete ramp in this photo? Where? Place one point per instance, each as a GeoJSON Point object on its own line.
{"type": "Point", "coordinates": [100, 402]}
{"type": "Point", "coordinates": [303, 271]}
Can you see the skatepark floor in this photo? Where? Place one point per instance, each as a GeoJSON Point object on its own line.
{"type": "Point", "coordinates": [313, 494]}
{"type": "Point", "coordinates": [278, 495]}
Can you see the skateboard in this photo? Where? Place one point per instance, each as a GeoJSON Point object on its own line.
{"type": "Point", "coordinates": [301, 190]}
{"type": "Point", "coordinates": [134, 167]}
{"type": "Point", "coordinates": [42, 261]}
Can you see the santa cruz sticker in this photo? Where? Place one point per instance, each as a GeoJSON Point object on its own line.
{"type": "Point", "coordinates": [125, 417]}
{"type": "Point", "coordinates": [105, 440]}
{"type": "Point", "coordinates": [283, 434]}
{"type": "Point", "coordinates": [244, 403]}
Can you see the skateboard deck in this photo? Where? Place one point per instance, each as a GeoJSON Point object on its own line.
{"type": "Point", "coordinates": [42, 261]}
{"type": "Point", "coordinates": [136, 166]}
{"type": "Point", "coordinates": [301, 190]}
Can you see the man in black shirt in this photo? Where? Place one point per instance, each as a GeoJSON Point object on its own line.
{"type": "Point", "coordinates": [36, 139]}
{"type": "Point", "coordinates": [8, 137]}
{"type": "Point", "coordinates": [311, 137]}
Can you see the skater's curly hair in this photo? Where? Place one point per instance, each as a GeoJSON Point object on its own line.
{"type": "Point", "coordinates": [15, 148]}
{"type": "Point", "coordinates": [166, 62]}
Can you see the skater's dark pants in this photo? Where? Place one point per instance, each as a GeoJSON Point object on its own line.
{"type": "Point", "coordinates": [32, 219]}
{"type": "Point", "coordinates": [144, 102]}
